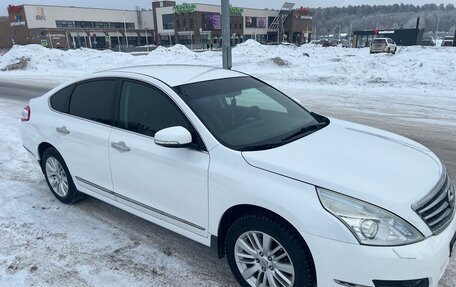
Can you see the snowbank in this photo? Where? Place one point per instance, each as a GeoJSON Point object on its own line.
{"type": "Point", "coordinates": [412, 67]}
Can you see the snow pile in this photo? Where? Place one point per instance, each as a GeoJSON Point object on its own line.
{"type": "Point", "coordinates": [177, 50]}
{"type": "Point", "coordinates": [56, 61]}
{"type": "Point", "coordinates": [250, 47]}
{"type": "Point", "coordinates": [307, 66]}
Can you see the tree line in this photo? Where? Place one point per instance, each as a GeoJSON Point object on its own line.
{"type": "Point", "coordinates": [369, 17]}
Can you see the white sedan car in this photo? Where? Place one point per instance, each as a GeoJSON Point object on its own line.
{"type": "Point", "coordinates": [292, 198]}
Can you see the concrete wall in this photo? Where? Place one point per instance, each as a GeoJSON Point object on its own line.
{"type": "Point", "coordinates": [160, 13]}
{"type": "Point", "coordinates": [147, 19]}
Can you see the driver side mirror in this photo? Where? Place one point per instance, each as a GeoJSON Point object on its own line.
{"type": "Point", "coordinates": [173, 137]}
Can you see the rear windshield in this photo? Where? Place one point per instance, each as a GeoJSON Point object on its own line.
{"type": "Point", "coordinates": [379, 41]}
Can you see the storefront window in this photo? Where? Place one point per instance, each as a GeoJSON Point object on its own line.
{"type": "Point", "coordinates": [168, 21]}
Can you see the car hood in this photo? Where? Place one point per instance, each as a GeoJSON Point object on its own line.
{"type": "Point", "coordinates": [359, 161]}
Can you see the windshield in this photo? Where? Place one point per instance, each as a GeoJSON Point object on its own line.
{"type": "Point", "coordinates": [246, 114]}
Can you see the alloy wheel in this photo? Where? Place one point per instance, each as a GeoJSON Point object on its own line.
{"type": "Point", "coordinates": [263, 261]}
{"type": "Point", "coordinates": [57, 177]}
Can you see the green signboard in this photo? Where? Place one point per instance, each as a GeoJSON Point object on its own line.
{"type": "Point", "coordinates": [184, 8]}
{"type": "Point", "coordinates": [44, 42]}
{"type": "Point", "coordinates": [236, 11]}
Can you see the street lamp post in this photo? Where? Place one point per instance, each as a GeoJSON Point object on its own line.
{"type": "Point", "coordinates": [147, 41]}
{"type": "Point", "coordinates": [125, 29]}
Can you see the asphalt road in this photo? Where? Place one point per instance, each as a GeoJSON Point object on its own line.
{"type": "Point", "coordinates": [441, 139]}
{"type": "Point", "coordinates": [21, 92]}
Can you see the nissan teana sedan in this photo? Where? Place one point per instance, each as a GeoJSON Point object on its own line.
{"type": "Point", "coordinates": [290, 197]}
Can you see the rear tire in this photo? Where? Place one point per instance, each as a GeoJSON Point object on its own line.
{"type": "Point", "coordinates": [58, 177]}
{"type": "Point", "coordinates": [284, 258]}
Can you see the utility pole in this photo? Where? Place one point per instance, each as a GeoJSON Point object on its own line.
{"type": "Point", "coordinates": [226, 42]}
{"type": "Point", "coordinates": [125, 29]}
{"type": "Point", "coordinates": [454, 38]}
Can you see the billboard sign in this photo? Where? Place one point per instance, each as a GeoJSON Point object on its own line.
{"type": "Point", "coordinates": [255, 22]}
{"type": "Point", "coordinates": [236, 11]}
{"type": "Point", "coordinates": [185, 8]}
{"type": "Point", "coordinates": [40, 14]}
{"type": "Point", "coordinates": [211, 22]}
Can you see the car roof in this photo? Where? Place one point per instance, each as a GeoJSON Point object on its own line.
{"type": "Point", "coordinates": [176, 75]}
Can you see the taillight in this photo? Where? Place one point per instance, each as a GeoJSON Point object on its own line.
{"type": "Point", "coordinates": [25, 117]}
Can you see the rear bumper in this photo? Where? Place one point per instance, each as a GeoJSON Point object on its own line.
{"type": "Point", "coordinates": [361, 265]}
{"type": "Point", "coordinates": [33, 157]}
{"type": "Point", "coordinates": [379, 50]}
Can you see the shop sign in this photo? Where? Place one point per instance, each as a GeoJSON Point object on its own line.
{"type": "Point", "coordinates": [304, 11]}
{"type": "Point", "coordinates": [40, 16]}
{"type": "Point", "coordinates": [386, 32]}
{"type": "Point", "coordinates": [185, 8]}
{"type": "Point", "coordinates": [236, 11]}
{"type": "Point", "coordinates": [14, 9]}
{"type": "Point", "coordinates": [56, 36]}
{"type": "Point", "coordinates": [13, 24]}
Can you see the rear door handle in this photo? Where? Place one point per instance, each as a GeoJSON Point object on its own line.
{"type": "Point", "coordinates": [121, 146]}
{"type": "Point", "coordinates": [62, 130]}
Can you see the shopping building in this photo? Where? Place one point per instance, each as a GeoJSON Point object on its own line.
{"type": "Point", "coordinates": [402, 37]}
{"type": "Point", "coordinates": [200, 24]}
{"type": "Point", "coordinates": [72, 27]}
{"type": "Point", "coordinates": [165, 23]}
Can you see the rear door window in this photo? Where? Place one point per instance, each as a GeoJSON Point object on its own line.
{"type": "Point", "coordinates": [59, 101]}
{"type": "Point", "coordinates": [94, 100]}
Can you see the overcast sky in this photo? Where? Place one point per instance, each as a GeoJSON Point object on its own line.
{"type": "Point", "coordinates": [130, 4]}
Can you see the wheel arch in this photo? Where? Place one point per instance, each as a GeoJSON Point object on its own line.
{"type": "Point", "coordinates": [42, 147]}
{"type": "Point", "coordinates": [237, 211]}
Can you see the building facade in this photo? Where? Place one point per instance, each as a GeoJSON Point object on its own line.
{"type": "Point", "coordinates": [402, 37]}
{"type": "Point", "coordinates": [5, 33]}
{"type": "Point", "coordinates": [197, 25]}
{"type": "Point", "coordinates": [72, 27]}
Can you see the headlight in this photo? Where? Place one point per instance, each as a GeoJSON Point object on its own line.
{"type": "Point", "coordinates": [370, 224]}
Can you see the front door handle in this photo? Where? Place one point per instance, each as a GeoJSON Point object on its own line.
{"type": "Point", "coordinates": [62, 130]}
{"type": "Point", "coordinates": [121, 146]}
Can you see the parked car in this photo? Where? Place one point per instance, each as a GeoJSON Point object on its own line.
{"type": "Point", "coordinates": [427, 42]}
{"type": "Point", "coordinates": [383, 45]}
{"type": "Point", "coordinates": [448, 41]}
{"type": "Point", "coordinates": [346, 44]}
{"type": "Point", "coordinates": [291, 197]}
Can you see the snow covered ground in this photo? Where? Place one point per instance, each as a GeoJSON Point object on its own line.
{"type": "Point", "coordinates": [44, 243]}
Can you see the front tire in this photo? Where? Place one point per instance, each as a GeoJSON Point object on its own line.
{"type": "Point", "coordinates": [58, 177]}
{"type": "Point", "coordinates": [264, 252]}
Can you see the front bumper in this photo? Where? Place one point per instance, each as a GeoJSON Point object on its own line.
{"type": "Point", "coordinates": [361, 265]}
